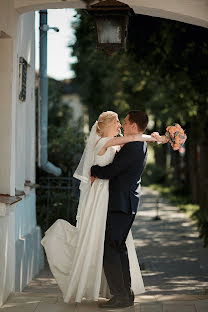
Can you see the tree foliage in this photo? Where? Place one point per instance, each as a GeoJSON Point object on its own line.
{"type": "Point", "coordinates": [64, 149]}
{"type": "Point", "coordinates": [164, 71]}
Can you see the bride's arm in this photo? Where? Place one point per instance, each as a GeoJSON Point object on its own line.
{"type": "Point", "coordinates": [126, 139]}
{"type": "Point", "coordinates": [129, 138]}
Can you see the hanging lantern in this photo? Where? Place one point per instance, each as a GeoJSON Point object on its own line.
{"type": "Point", "coordinates": [111, 18]}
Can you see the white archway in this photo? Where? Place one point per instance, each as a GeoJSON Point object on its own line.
{"type": "Point", "coordinates": [16, 117]}
{"type": "Point", "coordinates": [192, 11]}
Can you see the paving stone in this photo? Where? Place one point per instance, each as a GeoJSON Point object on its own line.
{"type": "Point", "coordinates": [202, 297]}
{"type": "Point", "coordinates": [22, 298]}
{"type": "Point", "coordinates": [49, 299]}
{"type": "Point", "coordinates": [19, 307]}
{"type": "Point", "coordinates": [144, 298]}
{"type": "Point", "coordinates": [93, 307]}
{"type": "Point", "coordinates": [86, 303]}
{"type": "Point", "coordinates": [88, 307]}
{"type": "Point", "coordinates": [151, 307]}
{"type": "Point", "coordinates": [201, 306]}
{"type": "Point", "coordinates": [61, 307]}
{"type": "Point", "coordinates": [173, 262]}
{"type": "Point", "coordinates": [135, 308]}
{"type": "Point", "coordinates": [176, 298]}
{"type": "Point", "coordinates": [169, 250]}
{"type": "Point", "coordinates": [183, 307]}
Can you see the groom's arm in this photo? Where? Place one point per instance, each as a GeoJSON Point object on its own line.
{"type": "Point", "coordinates": [121, 162]}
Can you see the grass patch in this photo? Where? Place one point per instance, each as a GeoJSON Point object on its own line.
{"type": "Point", "coordinates": [172, 194]}
{"type": "Point", "coordinates": [162, 180]}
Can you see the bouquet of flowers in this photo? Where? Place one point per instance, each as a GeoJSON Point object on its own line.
{"type": "Point", "coordinates": [176, 136]}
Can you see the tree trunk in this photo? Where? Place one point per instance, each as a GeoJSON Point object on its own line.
{"type": "Point", "coordinates": [203, 163]}
{"type": "Point", "coordinates": [203, 199]}
{"type": "Point", "coordinates": [192, 165]}
{"type": "Point", "coordinates": [160, 151]}
{"type": "Point", "coordinates": [175, 163]}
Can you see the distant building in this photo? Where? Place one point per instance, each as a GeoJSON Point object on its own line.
{"type": "Point", "coordinates": [72, 98]}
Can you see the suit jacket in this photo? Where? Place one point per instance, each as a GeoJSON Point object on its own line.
{"type": "Point", "coordinates": [124, 175]}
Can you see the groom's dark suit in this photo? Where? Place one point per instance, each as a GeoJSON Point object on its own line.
{"type": "Point", "coordinates": [124, 175]}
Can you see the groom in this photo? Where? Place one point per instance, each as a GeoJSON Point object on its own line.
{"type": "Point", "coordinates": [124, 175]}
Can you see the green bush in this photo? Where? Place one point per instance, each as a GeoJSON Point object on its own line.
{"type": "Point", "coordinates": [66, 142]}
{"type": "Point", "coordinates": [153, 174]}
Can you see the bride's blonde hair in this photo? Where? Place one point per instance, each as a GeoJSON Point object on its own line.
{"type": "Point", "coordinates": [103, 121]}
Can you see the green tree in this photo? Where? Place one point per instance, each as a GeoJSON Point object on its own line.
{"type": "Point", "coordinates": [64, 150]}
{"type": "Point", "coordinates": [163, 71]}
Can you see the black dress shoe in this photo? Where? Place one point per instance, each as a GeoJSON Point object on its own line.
{"type": "Point", "coordinates": [131, 297]}
{"type": "Point", "coordinates": [115, 302]}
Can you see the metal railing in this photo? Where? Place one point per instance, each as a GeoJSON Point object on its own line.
{"type": "Point", "coordinates": [57, 198]}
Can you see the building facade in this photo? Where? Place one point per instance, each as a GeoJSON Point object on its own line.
{"type": "Point", "coordinates": [21, 255]}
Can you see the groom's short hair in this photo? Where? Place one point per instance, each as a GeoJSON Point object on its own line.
{"type": "Point", "coordinates": [140, 118]}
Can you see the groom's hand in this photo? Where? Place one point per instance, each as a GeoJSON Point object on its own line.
{"type": "Point", "coordinates": [93, 179]}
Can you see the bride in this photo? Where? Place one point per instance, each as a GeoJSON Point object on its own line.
{"type": "Point", "coordinates": [75, 254]}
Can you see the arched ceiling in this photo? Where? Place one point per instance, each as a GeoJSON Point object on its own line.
{"type": "Point", "coordinates": [188, 11]}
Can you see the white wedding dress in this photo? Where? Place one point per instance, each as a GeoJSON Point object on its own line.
{"type": "Point", "coordinates": [75, 254]}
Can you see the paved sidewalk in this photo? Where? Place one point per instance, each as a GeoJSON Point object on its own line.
{"type": "Point", "coordinates": [173, 256]}
{"type": "Point", "coordinates": [174, 263]}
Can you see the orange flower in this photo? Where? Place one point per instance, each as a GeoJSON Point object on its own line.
{"type": "Point", "coordinates": [178, 127]}
{"type": "Point", "coordinates": [172, 131]}
{"type": "Point", "coordinates": [176, 136]}
{"type": "Point", "coordinates": [176, 147]}
{"type": "Point", "coordinates": [177, 140]}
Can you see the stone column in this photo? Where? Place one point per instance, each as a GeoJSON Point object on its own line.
{"type": "Point", "coordinates": [7, 118]}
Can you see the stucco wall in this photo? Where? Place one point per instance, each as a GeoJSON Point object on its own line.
{"type": "Point", "coordinates": [7, 111]}
{"type": "Point", "coordinates": [21, 255]}
{"type": "Point", "coordinates": [7, 255]}
{"type": "Point", "coordinates": [25, 215]}
{"type": "Point", "coordinates": [29, 257]}
{"type": "Point", "coordinates": [25, 111]}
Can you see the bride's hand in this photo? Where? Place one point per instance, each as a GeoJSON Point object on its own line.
{"type": "Point", "coordinates": [160, 138]}
{"type": "Point", "coordinates": [157, 136]}
{"type": "Point", "coordinates": [102, 151]}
